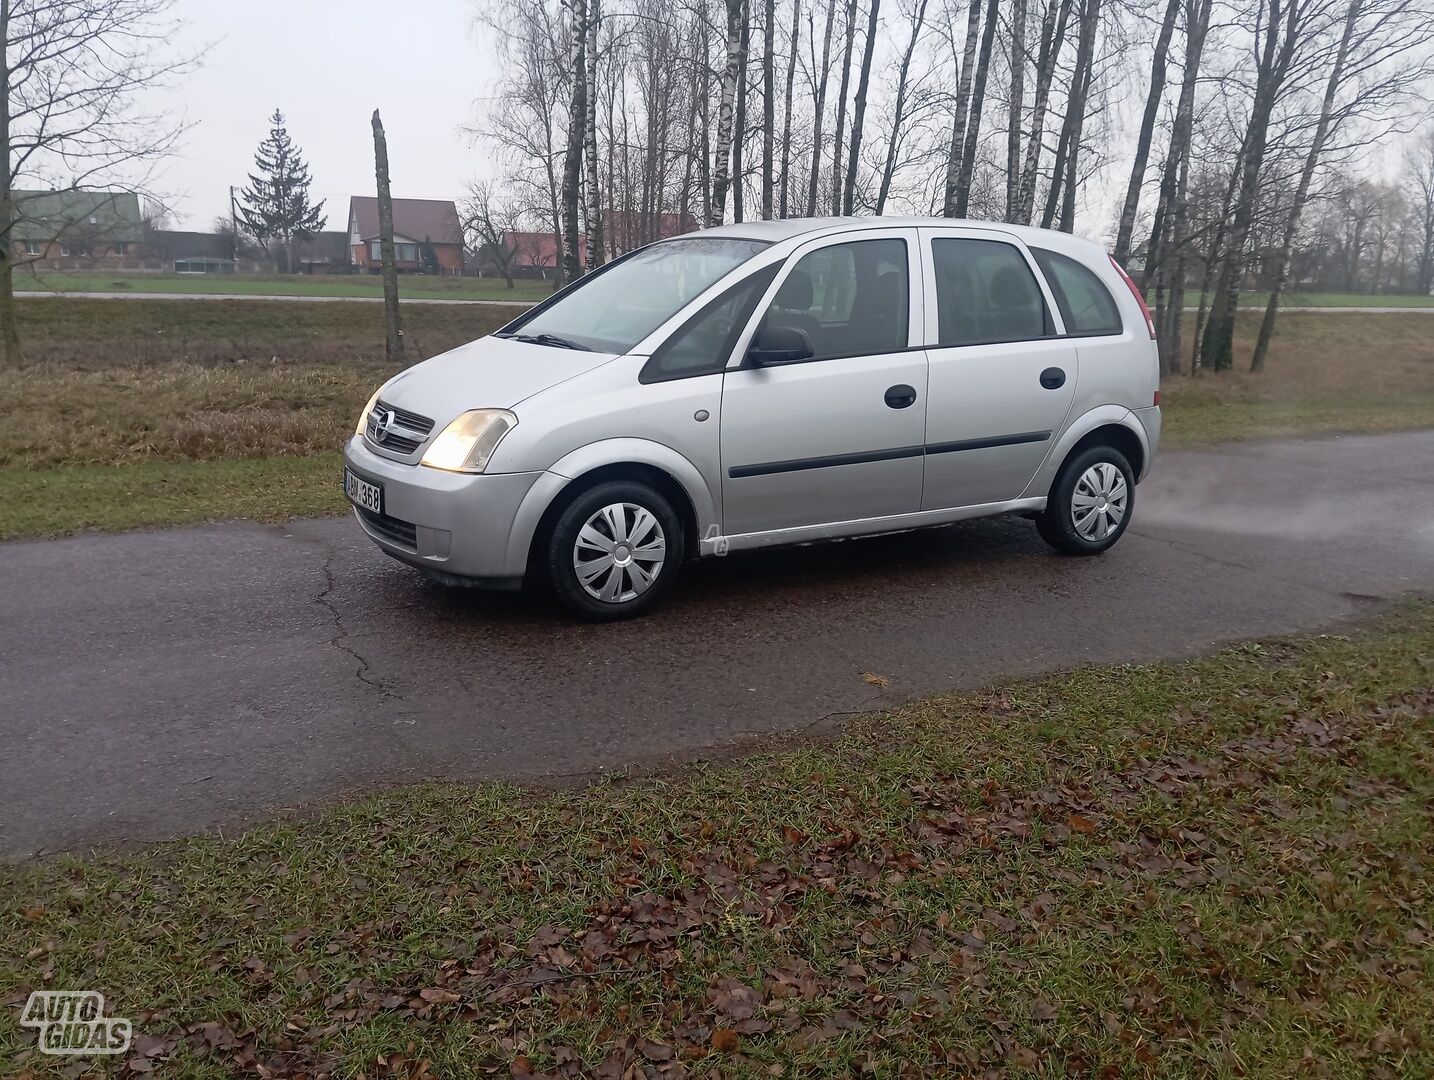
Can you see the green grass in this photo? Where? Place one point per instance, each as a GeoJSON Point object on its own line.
{"type": "Point", "coordinates": [152, 494]}
{"type": "Point", "coordinates": [1200, 424]}
{"type": "Point", "coordinates": [410, 286]}
{"type": "Point", "coordinates": [1217, 868]}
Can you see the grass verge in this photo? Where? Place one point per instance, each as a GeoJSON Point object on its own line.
{"type": "Point", "coordinates": [151, 494]}
{"type": "Point", "coordinates": [1220, 867]}
{"type": "Point", "coordinates": [410, 287]}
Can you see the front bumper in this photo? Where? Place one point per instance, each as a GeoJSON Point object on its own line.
{"type": "Point", "coordinates": [450, 524]}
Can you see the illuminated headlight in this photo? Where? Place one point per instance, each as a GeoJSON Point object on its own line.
{"type": "Point", "coordinates": [363, 416]}
{"type": "Point", "coordinates": [467, 444]}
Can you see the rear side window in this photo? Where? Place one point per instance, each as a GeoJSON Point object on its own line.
{"type": "Point", "coordinates": [706, 340]}
{"type": "Point", "coordinates": [986, 293]}
{"type": "Point", "coordinates": [1086, 304]}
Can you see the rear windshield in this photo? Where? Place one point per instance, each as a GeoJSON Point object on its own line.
{"type": "Point", "coordinates": [614, 309]}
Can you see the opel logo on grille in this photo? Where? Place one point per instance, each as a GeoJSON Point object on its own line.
{"type": "Point", "coordinates": [382, 423]}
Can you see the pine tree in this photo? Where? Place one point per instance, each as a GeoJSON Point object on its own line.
{"type": "Point", "coordinates": [275, 206]}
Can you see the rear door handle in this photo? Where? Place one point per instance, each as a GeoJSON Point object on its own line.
{"type": "Point", "coordinates": [901, 396]}
{"type": "Point", "coordinates": [1053, 378]}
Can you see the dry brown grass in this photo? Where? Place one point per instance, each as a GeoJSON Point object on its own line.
{"type": "Point", "coordinates": [1324, 374]}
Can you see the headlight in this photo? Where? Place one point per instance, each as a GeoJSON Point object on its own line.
{"type": "Point", "coordinates": [468, 443]}
{"type": "Point", "coordinates": [363, 416]}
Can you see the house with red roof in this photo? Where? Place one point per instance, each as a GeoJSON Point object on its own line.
{"type": "Point", "coordinates": [427, 237]}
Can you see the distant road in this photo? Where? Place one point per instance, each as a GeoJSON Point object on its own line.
{"type": "Point", "coordinates": [529, 303]}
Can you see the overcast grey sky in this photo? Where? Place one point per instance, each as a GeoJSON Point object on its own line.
{"type": "Point", "coordinates": [327, 64]}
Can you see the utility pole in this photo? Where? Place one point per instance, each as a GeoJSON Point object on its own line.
{"type": "Point", "coordinates": [233, 229]}
{"type": "Point", "coordinates": [393, 335]}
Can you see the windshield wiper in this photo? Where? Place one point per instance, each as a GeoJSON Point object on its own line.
{"type": "Point", "coordinates": [549, 339]}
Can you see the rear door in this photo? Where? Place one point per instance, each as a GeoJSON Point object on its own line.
{"type": "Point", "coordinates": [839, 436]}
{"type": "Point", "coordinates": [1002, 373]}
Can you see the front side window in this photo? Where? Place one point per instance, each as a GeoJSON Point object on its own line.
{"type": "Point", "coordinates": [986, 294]}
{"type": "Point", "coordinates": [848, 299]}
{"type": "Point", "coordinates": [614, 309]}
{"type": "Point", "coordinates": [1086, 304]}
{"type": "Point", "coordinates": [705, 343]}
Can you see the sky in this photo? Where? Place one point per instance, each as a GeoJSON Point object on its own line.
{"type": "Point", "coordinates": [327, 64]}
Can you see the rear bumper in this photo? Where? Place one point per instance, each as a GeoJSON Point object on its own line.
{"type": "Point", "coordinates": [454, 525]}
{"type": "Point", "coordinates": [1149, 420]}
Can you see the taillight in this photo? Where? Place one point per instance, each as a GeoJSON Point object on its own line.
{"type": "Point", "coordinates": [1135, 292]}
{"type": "Point", "coordinates": [1156, 401]}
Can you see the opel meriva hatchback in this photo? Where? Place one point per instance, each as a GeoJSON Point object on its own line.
{"type": "Point", "coordinates": [775, 382]}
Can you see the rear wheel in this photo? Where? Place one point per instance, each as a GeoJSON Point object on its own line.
{"type": "Point", "coordinates": [1090, 502]}
{"type": "Point", "coordinates": [614, 550]}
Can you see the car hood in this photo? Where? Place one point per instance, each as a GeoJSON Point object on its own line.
{"type": "Point", "coordinates": [490, 373]}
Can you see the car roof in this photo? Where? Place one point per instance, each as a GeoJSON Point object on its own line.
{"type": "Point", "coordinates": [776, 231]}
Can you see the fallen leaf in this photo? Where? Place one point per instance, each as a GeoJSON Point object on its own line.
{"type": "Point", "coordinates": [872, 679]}
{"type": "Point", "coordinates": [725, 1040]}
{"type": "Point", "coordinates": [1080, 824]}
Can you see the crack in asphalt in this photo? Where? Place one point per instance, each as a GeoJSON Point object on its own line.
{"type": "Point", "coordinates": [340, 639]}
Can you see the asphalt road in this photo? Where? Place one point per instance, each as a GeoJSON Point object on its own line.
{"type": "Point", "coordinates": [163, 683]}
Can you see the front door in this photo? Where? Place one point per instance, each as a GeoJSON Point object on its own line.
{"type": "Point", "coordinates": [839, 436]}
{"type": "Point", "coordinates": [1003, 376]}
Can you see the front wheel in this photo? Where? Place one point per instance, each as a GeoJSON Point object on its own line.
{"type": "Point", "coordinates": [1090, 502]}
{"type": "Point", "coordinates": [614, 551]}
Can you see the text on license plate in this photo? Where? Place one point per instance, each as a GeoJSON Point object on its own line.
{"type": "Point", "coordinates": [362, 493]}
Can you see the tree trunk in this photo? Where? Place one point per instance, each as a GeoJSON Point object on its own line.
{"type": "Point", "coordinates": [1017, 102]}
{"type": "Point", "coordinates": [739, 138]}
{"type": "Point", "coordinates": [818, 111]}
{"type": "Point", "coordinates": [1214, 262]}
{"type": "Point", "coordinates": [1172, 190]}
{"type": "Point", "coordinates": [721, 170]}
{"type": "Point", "coordinates": [8, 326]}
{"type": "Point", "coordinates": [393, 333]}
{"type": "Point", "coordinates": [1292, 225]}
{"type": "Point", "coordinates": [850, 42]}
{"type": "Point", "coordinates": [978, 101]}
{"type": "Point", "coordinates": [1053, 32]}
{"type": "Point", "coordinates": [573, 156]}
{"type": "Point", "coordinates": [859, 116]}
{"type": "Point", "coordinates": [787, 107]}
{"type": "Point", "coordinates": [889, 170]}
{"type": "Point", "coordinates": [963, 103]}
{"type": "Point", "coordinates": [1075, 113]}
{"type": "Point", "coordinates": [1147, 131]}
{"type": "Point", "coordinates": [596, 254]}
{"type": "Point", "coordinates": [769, 108]}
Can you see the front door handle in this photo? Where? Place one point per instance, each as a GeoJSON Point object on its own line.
{"type": "Point", "coordinates": [1053, 378]}
{"type": "Point", "coordinates": [901, 396]}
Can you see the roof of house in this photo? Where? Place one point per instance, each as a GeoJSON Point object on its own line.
{"type": "Point", "coordinates": [539, 249]}
{"type": "Point", "coordinates": [182, 244]}
{"type": "Point", "coordinates": [49, 215]}
{"type": "Point", "coordinates": [431, 220]}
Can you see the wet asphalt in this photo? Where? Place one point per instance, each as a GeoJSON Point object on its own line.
{"type": "Point", "coordinates": [164, 683]}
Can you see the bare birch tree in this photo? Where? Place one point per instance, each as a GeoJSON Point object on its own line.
{"type": "Point", "coordinates": [1147, 133]}
{"type": "Point", "coordinates": [726, 111]}
{"type": "Point", "coordinates": [859, 114]}
{"type": "Point", "coordinates": [71, 115]}
{"type": "Point", "coordinates": [787, 98]}
{"type": "Point", "coordinates": [1015, 107]}
{"type": "Point", "coordinates": [572, 263]}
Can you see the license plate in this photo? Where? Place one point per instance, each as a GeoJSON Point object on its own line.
{"type": "Point", "coordinates": [363, 494]}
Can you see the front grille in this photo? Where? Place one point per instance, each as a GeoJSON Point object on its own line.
{"type": "Point", "coordinates": [406, 431]}
{"type": "Point", "coordinates": [402, 533]}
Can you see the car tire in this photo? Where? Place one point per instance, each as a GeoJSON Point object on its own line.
{"type": "Point", "coordinates": [1090, 502]}
{"type": "Point", "coordinates": [613, 551]}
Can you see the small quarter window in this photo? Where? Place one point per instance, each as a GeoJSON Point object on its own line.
{"type": "Point", "coordinates": [986, 294]}
{"type": "Point", "coordinates": [705, 342]}
{"type": "Point", "coordinates": [1086, 304]}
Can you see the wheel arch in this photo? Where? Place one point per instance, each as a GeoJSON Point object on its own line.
{"type": "Point", "coordinates": [1109, 425]}
{"type": "Point", "coordinates": [641, 460]}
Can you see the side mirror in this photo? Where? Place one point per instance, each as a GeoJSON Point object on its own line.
{"type": "Point", "coordinates": [779, 345]}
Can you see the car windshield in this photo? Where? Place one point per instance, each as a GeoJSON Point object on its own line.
{"type": "Point", "coordinates": [613, 310]}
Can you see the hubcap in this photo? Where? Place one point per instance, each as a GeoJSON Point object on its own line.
{"type": "Point", "coordinates": [619, 552]}
{"type": "Point", "coordinates": [1098, 504]}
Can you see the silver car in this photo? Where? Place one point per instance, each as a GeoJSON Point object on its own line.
{"type": "Point", "coordinates": [774, 382]}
